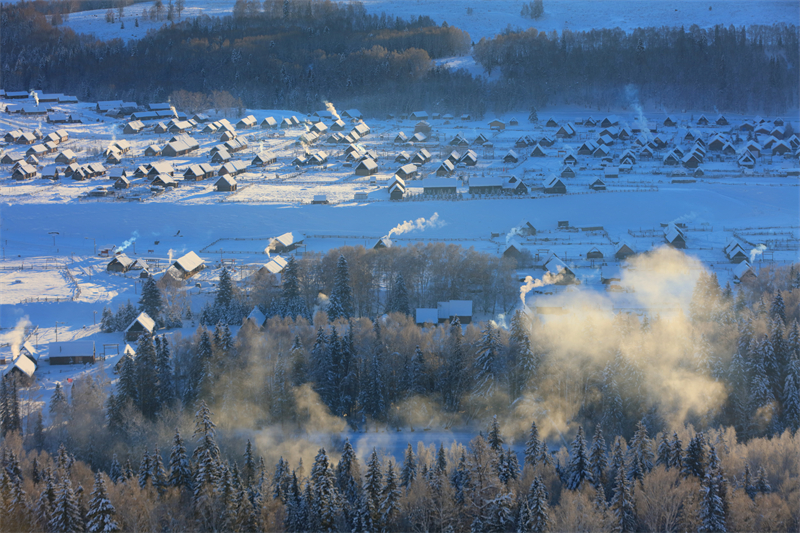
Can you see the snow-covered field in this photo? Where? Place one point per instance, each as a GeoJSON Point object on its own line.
{"type": "Point", "coordinates": [490, 17]}
{"type": "Point", "coordinates": [52, 234]}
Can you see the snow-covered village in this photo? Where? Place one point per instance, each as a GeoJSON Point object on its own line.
{"type": "Point", "coordinates": [306, 265]}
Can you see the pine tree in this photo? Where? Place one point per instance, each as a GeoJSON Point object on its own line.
{"type": "Point", "coordinates": [487, 362]}
{"type": "Point", "coordinates": [460, 479]}
{"type": "Point", "coordinates": [499, 513]}
{"type": "Point", "coordinates": [280, 481]}
{"type": "Point", "coordinates": [59, 407]}
{"type": "Point", "coordinates": [224, 297]}
{"type": "Point", "coordinates": [441, 461]}
{"type": "Point", "coordinates": [202, 376]}
{"type": "Point", "coordinates": [791, 403]}
{"type": "Point", "coordinates": [664, 452]}
{"type": "Point", "coordinates": [712, 508]}
{"type": "Point", "coordinates": [44, 504]}
{"type": "Point", "coordinates": [115, 471]}
{"type": "Point", "coordinates": [535, 450]}
{"type": "Point", "coordinates": [398, 298]}
{"type": "Point", "coordinates": [373, 483]}
{"type": "Point", "coordinates": [159, 475]}
{"type": "Point", "coordinates": [164, 371]}
{"type": "Point", "coordinates": [778, 309]}
{"type": "Point", "coordinates": [145, 469]}
{"type": "Point", "coordinates": [341, 301]}
{"type": "Point", "coordinates": [415, 374]}
{"type": "Point", "coordinates": [100, 516]}
{"type": "Point", "coordinates": [598, 459]}
{"type": "Point", "coordinates": [147, 376]}
{"type": "Point", "coordinates": [762, 485]}
{"type": "Point", "coordinates": [180, 471]}
{"type": "Point", "coordinates": [249, 471]}
{"type": "Point", "coordinates": [65, 515]}
{"type": "Point", "coordinates": [454, 381]}
{"type": "Point", "coordinates": [348, 477]}
{"type": "Point", "coordinates": [579, 468]}
{"type": "Point", "coordinates": [292, 303]}
{"type": "Point", "coordinates": [524, 364]}
{"type": "Point", "coordinates": [694, 462]}
{"type": "Point", "coordinates": [206, 458]}
{"type": "Point", "coordinates": [127, 389]}
{"type": "Point", "coordinates": [326, 504]}
{"type": "Point", "coordinates": [151, 301]}
{"type": "Point", "coordinates": [534, 516]}
{"type": "Point", "coordinates": [390, 498]}
{"type": "Point", "coordinates": [640, 453]}
{"type": "Point", "coordinates": [295, 520]}
{"type": "Point", "coordinates": [408, 473]}
{"type": "Point", "coordinates": [107, 323]}
{"type": "Point", "coordinates": [747, 482]}
{"type": "Point", "coordinates": [622, 503]}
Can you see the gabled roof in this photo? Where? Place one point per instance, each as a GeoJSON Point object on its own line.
{"type": "Point", "coordinates": [144, 319]}
{"type": "Point", "coordinates": [743, 268]}
{"type": "Point", "coordinates": [189, 262]}
{"type": "Point", "coordinates": [257, 317]}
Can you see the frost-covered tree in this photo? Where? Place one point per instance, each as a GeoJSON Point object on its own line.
{"type": "Point", "coordinates": [533, 515]}
{"type": "Point", "coordinates": [523, 362]}
{"type": "Point", "coordinates": [694, 460]}
{"type": "Point", "coordinates": [390, 498]}
{"type": "Point", "coordinates": [454, 380]}
{"type": "Point", "coordinates": [151, 301]}
{"type": "Point", "coordinates": [100, 515]}
{"type": "Point", "coordinates": [579, 468]}
{"type": "Point", "coordinates": [292, 303]}
{"type": "Point", "coordinates": [712, 506]}
{"type": "Point", "coordinates": [340, 304]}
{"type": "Point", "coordinates": [598, 458]}
{"type": "Point", "coordinates": [65, 515]}
{"type": "Point", "coordinates": [487, 362]}
{"type": "Point", "coordinates": [535, 449]}
{"type": "Point", "coordinates": [622, 503]}
{"type": "Point", "coordinates": [325, 505]}
{"type": "Point", "coordinates": [373, 484]}
{"type": "Point", "coordinates": [398, 297]}
{"type": "Point", "coordinates": [180, 471]}
{"type": "Point", "coordinates": [493, 436]}
{"type": "Point", "coordinates": [640, 453]}
{"type": "Point", "coordinates": [408, 472]}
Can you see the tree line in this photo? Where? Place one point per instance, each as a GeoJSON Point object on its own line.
{"type": "Point", "coordinates": [730, 69]}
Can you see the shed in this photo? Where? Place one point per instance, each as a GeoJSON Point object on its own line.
{"type": "Point", "coordinates": [256, 317]}
{"type": "Point", "coordinates": [71, 352]}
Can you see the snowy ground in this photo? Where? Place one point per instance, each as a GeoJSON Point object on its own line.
{"type": "Point", "coordinates": [492, 17]}
{"type": "Point", "coordinates": [51, 234]}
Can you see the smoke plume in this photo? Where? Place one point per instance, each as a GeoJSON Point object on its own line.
{"type": "Point", "coordinates": [531, 283]}
{"type": "Point", "coordinates": [419, 224]}
{"type": "Point", "coordinates": [329, 107]}
{"type": "Point", "coordinates": [35, 97]}
{"type": "Point", "coordinates": [755, 252]}
{"type": "Point", "coordinates": [130, 241]}
{"type": "Point", "coordinates": [18, 336]}
{"type": "Point", "coordinates": [169, 256]}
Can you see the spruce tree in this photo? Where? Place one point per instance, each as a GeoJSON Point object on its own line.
{"type": "Point", "coordinates": [747, 482]}
{"type": "Point", "coordinates": [65, 516]}
{"type": "Point", "coordinates": [159, 475]}
{"type": "Point", "coordinates": [499, 513]}
{"type": "Point", "coordinates": [694, 461]}
{"type": "Point", "coordinates": [534, 516]}
{"type": "Point", "coordinates": [454, 381]}
{"type": "Point", "coordinates": [409, 470]}
{"type": "Point", "coordinates": [326, 500]}
{"type": "Point", "coordinates": [487, 362]}
{"type": "Point", "coordinates": [579, 468]}
{"type": "Point", "coordinates": [622, 503]}
{"type": "Point", "coordinates": [398, 298]}
{"type": "Point", "coordinates": [151, 301]}
{"type": "Point", "coordinates": [180, 471]}
{"type": "Point", "coordinates": [249, 470]}
{"type": "Point", "coordinates": [390, 498]}
{"type": "Point", "coordinates": [224, 297]}
{"type": "Point", "coordinates": [535, 449]}
{"type": "Point", "coordinates": [494, 438]}
{"type": "Point", "coordinates": [348, 478]}
{"type": "Point", "coordinates": [145, 470]}
{"type": "Point", "coordinates": [59, 407]}
{"type": "Point", "coordinates": [640, 453]}
{"type": "Point", "coordinates": [712, 507]}
{"type": "Point", "coordinates": [778, 309]}
{"type": "Point", "coordinates": [524, 364]}
{"type": "Point", "coordinates": [341, 301]}
{"type": "Point", "coordinates": [100, 516]}
{"type": "Point", "coordinates": [373, 483]}
{"type": "Point", "coordinates": [115, 471]}
{"type": "Point", "coordinates": [164, 372]}
{"type": "Point", "coordinates": [762, 485]}
{"type": "Point", "coordinates": [598, 458]}
{"type": "Point", "coordinates": [147, 376]}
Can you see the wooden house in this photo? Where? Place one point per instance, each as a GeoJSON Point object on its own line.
{"type": "Point", "coordinates": [674, 236]}
{"type": "Point", "coordinates": [511, 157]}
{"type": "Point", "coordinates": [121, 263]}
{"type": "Point", "coordinates": [598, 185]}
{"type": "Point", "coordinates": [670, 122]}
{"type": "Point", "coordinates": [538, 151]}
{"type": "Point", "coordinates": [407, 172]}
{"type": "Point", "coordinates": [226, 184]}
{"type": "Point", "coordinates": [164, 180]}
{"type": "Point", "coordinates": [587, 148]}
{"type": "Point", "coordinates": [232, 168]}
{"type": "Point", "coordinates": [421, 157]}
{"type": "Point", "coordinates": [246, 123]}
{"type": "Point", "coordinates": [721, 121]}
{"type": "Point", "coordinates": [198, 172]}
{"type": "Point", "coordinates": [221, 156]}
{"type": "Point", "coordinates": [554, 185]}
{"type": "Point", "coordinates": [141, 324]}
{"type": "Point", "coordinates": [400, 138]}
{"type": "Point", "coordinates": [152, 151]}
{"type": "Point", "coordinates": [594, 253]}
{"type": "Point", "coordinates": [366, 167]}
{"type": "Point", "coordinates": [423, 126]}
{"type": "Point", "coordinates": [188, 265]}
{"type": "Point", "coordinates": [567, 172]}
{"type": "Point", "coordinates": [744, 273]}
{"type": "Point", "coordinates": [24, 172]}
{"type": "Point", "coordinates": [439, 186]}
{"type": "Point", "coordinates": [263, 159]}
{"type": "Point", "coordinates": [269, 123]}
{"type": "Point", "coordinates": [498, 125]}
{"type": "Point", "coordinates": [402, 157]}
{"type": "Point", "coordinates": [624, 250]}
{"type": "Point", "coordinates": [122, 183]}
{"type": "Point", "coordinates": [72, 352]}
{"type": "Point", "coordinates": [702, 121]}
{"type": "Point", "coordinates": [445, 169]}
{"type": "Point", "coordinates": [397, 189]}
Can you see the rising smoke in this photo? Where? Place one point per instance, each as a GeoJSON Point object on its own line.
{"type": "Point", "coordinates": [18, 336]}
{"type": "Point", "coordinates": [755, 252]}
{"type": "Point", "coordinates": [419, 224]}
{"type": "Point", "coordinates": [130, 241]}
{"type": "Point", "coordinates": [329, 107]}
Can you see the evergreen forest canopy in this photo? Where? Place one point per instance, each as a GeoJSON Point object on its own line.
{"type": "Point", "coordinates": [298, 53]}
{"type": "Point", "coordinates": [177, 443]}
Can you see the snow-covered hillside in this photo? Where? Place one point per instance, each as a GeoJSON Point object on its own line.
{"type": "Point", "coordinates": [489, 18]}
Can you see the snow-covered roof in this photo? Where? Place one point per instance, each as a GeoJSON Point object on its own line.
{"type": "Point", "coordinates": [287, 239]}
{"type": "Point", "coordinates": [257, 317]}
{"type": "Point", "coordinates": [144, 319]}
{"type": "Point", "coordinates": [71, 349]}
{"type": "Point", "coordinates": [189, 262]}
{"type": "Point", "coordinates": [741, 269]}
{"type": "Point", "coordinates": [276, 265]}
{"type": "Point", "coordinates": [24, 365]}
{"type": "Point", "coordinates": [427, 316]}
